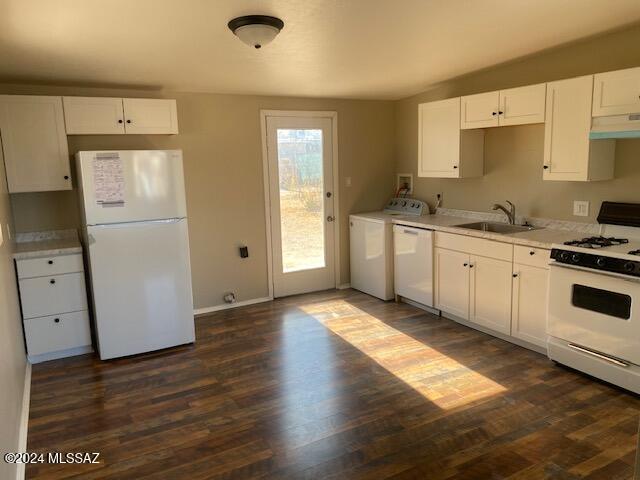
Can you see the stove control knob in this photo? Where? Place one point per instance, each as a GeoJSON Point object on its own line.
{"type": "Point", "coordinates": [404, 204]}
{"type": "Point", "coordinates": [629, 266]}
{"type": "Point", "coordinates": [575, 257]}
{"type": "Point", "coordinates": [564, 256]}
{"type": "Point", "coordinates": [601, 262]}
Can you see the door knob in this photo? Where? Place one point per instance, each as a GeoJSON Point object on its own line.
{"type": "Point", "coordinates": [330, 218]}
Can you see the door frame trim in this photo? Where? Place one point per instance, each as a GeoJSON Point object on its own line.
{"type": "Point", "coordinates": [333, 116]}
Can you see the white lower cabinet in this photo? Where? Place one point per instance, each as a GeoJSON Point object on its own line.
{"type": "Point", "coordinates": [54, 306]}
{"type": "Point", "coordinates": [494, 285]}
{"type": "Point", "coordinates": [490, 286]}
{"type": "Point", "coordinates": [451, 272]}
{"type": "Point", "coordinates": [529, 315]}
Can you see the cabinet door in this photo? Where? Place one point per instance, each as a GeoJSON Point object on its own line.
{"type": "Point", "coordinates": [93, 115]}
{"type": "Point", "coordinates": [439, 138]}
{"type": "Point", "coordinates": [490, 295]}
{"type": "Point", "coordinates": [616, 93]}
{"type": "Point", "coordinates": [34, 143]}
{"type": "Point", "coordinates": [523, 105]}
{"type": "Point", "coordinates": [451, 273]}
{"type": "Point", "coordinates": [480, 111]}
{"type": "Point", "coordinates": [150, 115]}
{"type": "Point", "coordinates": [567, 125]}
{"type": "Point", "coordinates": [529, 320]}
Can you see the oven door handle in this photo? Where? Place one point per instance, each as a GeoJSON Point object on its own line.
{"type": "Point", "coordinates": [606, 358]}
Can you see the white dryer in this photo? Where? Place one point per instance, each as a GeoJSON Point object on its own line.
{"type": "Point", "coordinates": [371, 246]}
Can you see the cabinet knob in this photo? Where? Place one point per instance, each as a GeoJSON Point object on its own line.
{"type": "Point", "coordinates": [532, 252]}
{"type": "Point", "coordinates": [545, 167]}
{"type": "Point", "coordinates": [52, 281]}
{"type": "Point", "coordinates": [465, 264]}
{"type": "Point", "coordinates": [120, 121]}
{"type": "Point", "coordinates": [50, 262]}
{"type": "Point", "coordinates": [455, 166]}
{"type": "Point", "coordinates": [66, 177]}
{"type": "Point", "coordinates": [500, 113]}
{"type": "Point", "coordinates": [57, 320]}
{"type": "Point", "coordinates": [515, 275]}
{"type": "Point", "coordinates": [128, 121]}
{"type": "Point", "coordinates": [494, 113]}
{"type": "Point", "coordinates": [471, 265]}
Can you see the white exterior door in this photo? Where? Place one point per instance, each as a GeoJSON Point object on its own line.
{"type": "Point", "coordinates": [301, 203]}
{"type": "Point", "coordinates": [452, 282]}
{"type": "Point", "coordinates": [491, 293]}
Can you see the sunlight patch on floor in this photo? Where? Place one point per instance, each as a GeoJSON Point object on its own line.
{"type": "Point", "coordinates": [437, 377]}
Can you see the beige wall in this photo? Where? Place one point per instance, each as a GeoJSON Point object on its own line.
{"type": "Point", "coordinates": [513, 155]}
{"type": "Point", "coordinates": [221, 139]}
{"type": "Point", "coordinates": [12, 356]}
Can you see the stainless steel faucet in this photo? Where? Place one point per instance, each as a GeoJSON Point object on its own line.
{"type": "Point", "coordinates": [511, 213]}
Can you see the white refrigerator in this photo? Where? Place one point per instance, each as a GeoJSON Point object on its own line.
{"type": "Point", "coordinates": [135, 233]}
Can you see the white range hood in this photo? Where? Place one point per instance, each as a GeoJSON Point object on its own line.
{"type": "Point", "coordinates": [615, 126]}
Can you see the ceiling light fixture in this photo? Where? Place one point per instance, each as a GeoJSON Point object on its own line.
{"type": "Point", "coordinates": [256, 30]}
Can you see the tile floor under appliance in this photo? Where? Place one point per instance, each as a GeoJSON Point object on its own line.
{"type": "Point", "coordinates": [332, 385]}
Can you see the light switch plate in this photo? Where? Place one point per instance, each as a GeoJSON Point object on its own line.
{"type": "Point", "coordinates": [347, 181]}
{"type": "Point", "coordinates": [581, 208]}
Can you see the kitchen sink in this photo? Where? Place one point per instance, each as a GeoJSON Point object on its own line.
{"type": "Point", "coordinates": [497, 227]}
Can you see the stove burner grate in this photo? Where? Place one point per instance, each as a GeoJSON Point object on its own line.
{"type": "Point", "coordinates": [598, 242]}
{"type": "Point", "coordinates": [634, 252]}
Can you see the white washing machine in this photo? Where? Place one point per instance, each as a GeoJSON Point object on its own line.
{"type": "Point", "coordinates": [371, 246]}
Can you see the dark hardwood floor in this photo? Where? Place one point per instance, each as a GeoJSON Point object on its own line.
{"type": "Point", "coordinates": [334, 385]}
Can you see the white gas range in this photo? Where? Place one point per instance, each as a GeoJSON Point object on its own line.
{"type": "Point", "coordinates": [594, 285]}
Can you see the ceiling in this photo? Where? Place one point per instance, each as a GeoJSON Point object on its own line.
{"type": "Point", "coordinates": [385, 49]}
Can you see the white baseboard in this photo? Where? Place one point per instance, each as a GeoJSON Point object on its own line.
{"type": "Point", "coordinates": [71, 352]}
{"type": "Point", "coordinates": [344, 286]}
{"type": "Point", "coordinates": [24, 421]}
{"type": "Point", "coordinates": [225, 306]}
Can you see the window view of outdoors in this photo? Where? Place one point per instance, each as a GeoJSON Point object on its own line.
{"type": "Point", "coordinates": [301, 199]}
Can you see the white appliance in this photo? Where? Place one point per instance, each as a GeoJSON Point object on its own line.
{"type": "Point", "coordinates": [135, 230]}
{"type": "Point", "coordinates": [413, 263]}
{"type": "Point", "coordinates": [371, 246]}
{"type": "Point", "coordinates": [593, 324]}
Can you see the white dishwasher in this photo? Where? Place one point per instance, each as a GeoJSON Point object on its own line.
{"type": "Point", "coordinates": [413, 263]}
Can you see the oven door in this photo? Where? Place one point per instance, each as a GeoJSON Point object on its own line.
{"type": "Point", "coordinates": [595, 310]}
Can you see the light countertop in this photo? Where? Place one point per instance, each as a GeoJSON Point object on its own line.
{"type": "Point", "coordinates": [540, 238]}
{"type": "Point", "coordinates": [46, 244]}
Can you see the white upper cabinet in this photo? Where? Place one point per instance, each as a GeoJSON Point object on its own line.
{"type": "Point", "coordinates": [34, 143]}
{"type": "Point", "coordinates": [443, 149]}
{"type": "Point", "coordinates": [515, 106]}
{"type": "Point", "coordinates": [147, 115]}
{"type": "Point", "coordinates": [103, 116]}
{"type": "Point", "coordinates": [616, 93]}
{"type": "Point", "coordinates": [93, 115]}
{"type": "Point", "coordinates": [480, 111]}
{"type": "Point", "coordinates": [522, 105]}
{"type": "Point", "coordinates": [568, 152]}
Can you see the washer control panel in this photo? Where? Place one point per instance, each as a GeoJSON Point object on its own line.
{"type": "Point", "coordinates": [406, 206]}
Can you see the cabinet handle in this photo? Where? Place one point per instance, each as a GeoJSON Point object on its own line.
{"type": "Point", "coordinates": [465, 264]}
{"type": "Point", "coordinates": [128, 121]}
{"type": "Point", "coordinates": [66, 177]}
{"type": "Point", "coordinates": [56, 320]}
{"type": "Point", "coordinates": [120, 121]}
{"type": "Point", "coordinates": [52, 281]}
{"type": "Point", "coordinates": [500, 113]}
{"type": "Point", "coordinates": [545, 167]}
{"type": "Point", "coordinates": [532, 252]}
{"type": "Point", "coordinates": [455, 166]}
{"type": "Point", "coordinates": [494, 113]}
{"type": "Point", "coordinates": [50, 262]}
{"type": "Point", "coordinates": [515, 275]}
{"type": "Point", "coordinates": [471, 265]}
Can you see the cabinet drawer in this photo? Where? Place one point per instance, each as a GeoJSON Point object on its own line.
{"type": "Point", "coordinates": [57, 332]}
{"type": "Point", "coordinates": [51, 295]}
{"type": "Point", "coordinates": [45, 266]}
{"type": "Point", "coordinates": [474, 245]}
{"type": "Point", "coordinates": [535, 257]}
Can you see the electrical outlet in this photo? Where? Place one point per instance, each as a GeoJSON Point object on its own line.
{"type": "Point", "coordinates": [581, 208]}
